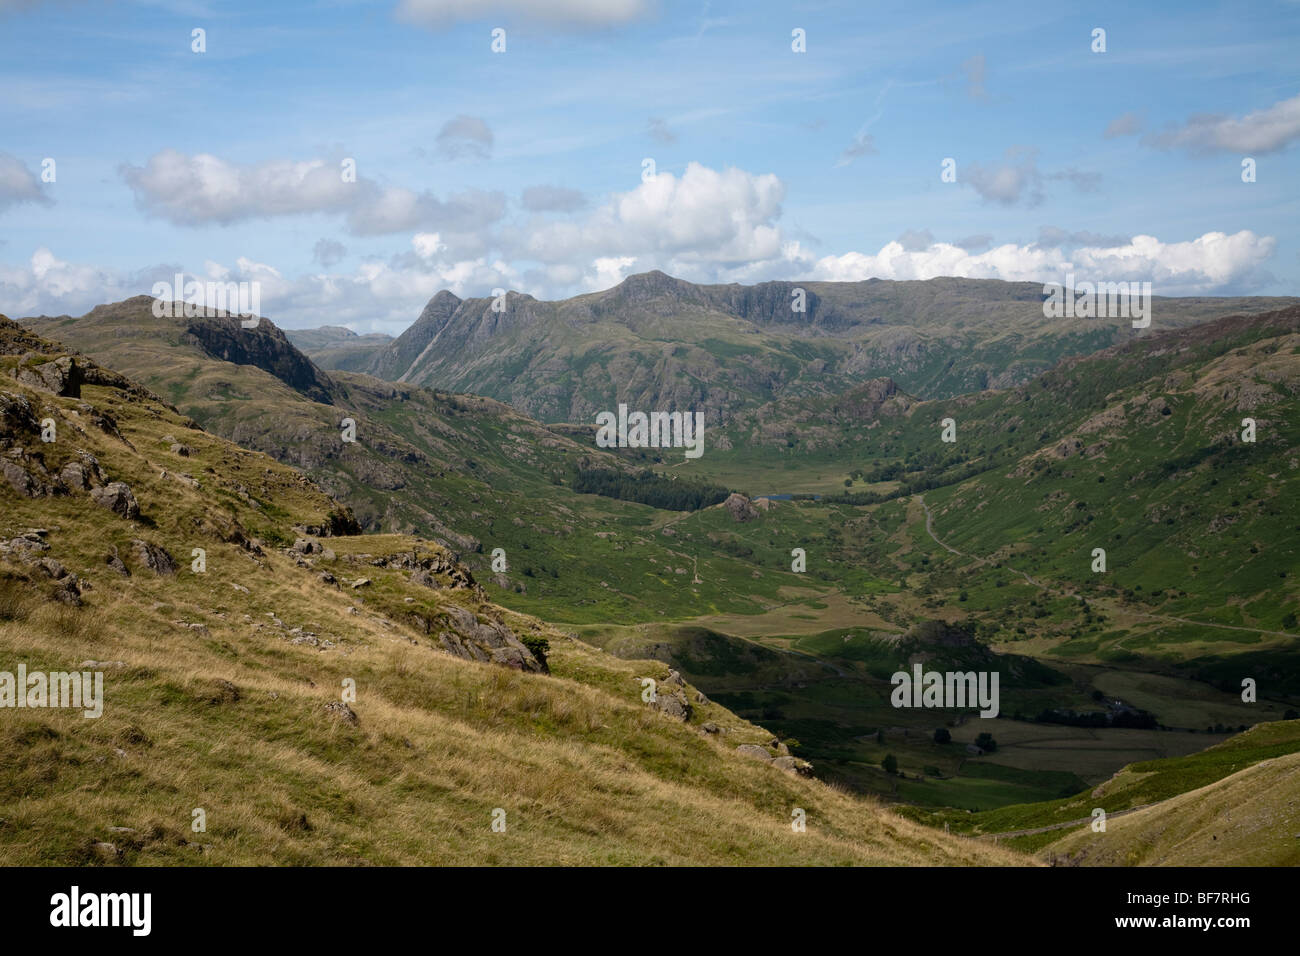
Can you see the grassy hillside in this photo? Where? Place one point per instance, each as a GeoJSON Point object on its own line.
{"type": "Point", "coordinates": [1246, 819]}
{"type": "Point", "coordinates": [987, 532]}
{"type": "Point", "coordinates": [223, 685]}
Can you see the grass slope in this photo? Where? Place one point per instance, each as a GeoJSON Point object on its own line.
{"type": "Point", "coordinates": [217, 685]}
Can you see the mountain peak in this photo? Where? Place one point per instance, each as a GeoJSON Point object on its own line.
{"type": "Point", "coordinates": [645, 285]}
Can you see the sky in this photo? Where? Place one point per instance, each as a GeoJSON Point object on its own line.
{"type": "Point", "coordinates": [354, 158]}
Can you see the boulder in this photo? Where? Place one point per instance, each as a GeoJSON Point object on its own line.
{"type": "Point", "coordinates": [754, 751]}
{"type": "Point", "coordinates": [68, 592]}
{"type": "Point", "coordinates": [341, 711]}
{"type": "Point", "coordinates": [115, 563]}
{"type": "Point", "coordinates": [153, 556]}
{"type": "Point", "coordinates": [673, 704]}
{"type": "Point", "coordinates": [118, 498]}
{"type": "Point", "coordinates": [793, 765]}
{"type": "Point", "coordinates": [739, 507]}
{"type": "Point", "coordinates": [62, 376]}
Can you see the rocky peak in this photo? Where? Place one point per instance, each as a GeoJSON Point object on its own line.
{"type": "Point", "coordinates": [265, 347]}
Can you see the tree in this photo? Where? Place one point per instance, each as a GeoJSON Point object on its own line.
{"type": "Point", "coordinates": [890, 763]}
{"type": "Point", "coordinates": [986, 743]}
{"type": "Point", "coordinates": [941, 736]}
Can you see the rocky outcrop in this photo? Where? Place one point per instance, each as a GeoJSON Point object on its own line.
{"type": "Point", "coordinates": [61, 376]}
{"type": "Point", "coordinates": [153, 556]}
{"type": "Point", "coordinates": [264, 347]}
{"type": "Point", "coordinates": [463, 634]}
{"type": "Point", "coordinates": [118, 498]}
{"type": "Point", "coordinates": [740, 508]}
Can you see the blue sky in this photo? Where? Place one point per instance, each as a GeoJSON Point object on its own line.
{"type": "Point", "coordinates": [524, 169]}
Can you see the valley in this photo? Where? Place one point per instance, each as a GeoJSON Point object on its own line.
{"type": "Point", "coordinates": [975, 554]}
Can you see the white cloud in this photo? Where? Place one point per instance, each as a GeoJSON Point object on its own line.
{"type": "Point", "coordinates": [1018, 177]}
{"type": "Point", "coordinates": [427, 244]}
{"type": "Point", "coordinates": [608, 271]}
{"type": "Point", "coordinates": [703, 216]}
{"type": "Point", "coordinates": [1264, 131]}
{"type": "Point", "coordinates": [1211, 263]}
{"type": "Point", "coordinates": [191, 190]}
{"type": "Point", "coordinates": [203, 189]}
{"type": "Point", "coordinates": [19, 184]}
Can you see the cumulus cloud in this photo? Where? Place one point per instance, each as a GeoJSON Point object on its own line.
{"type": "Point", "coordinates": [552, 199]}
{"type": "Point", "coordinates": [385, 295]}
{"type": "Point", "coordinates": [192, 190]}
{"type": "Point", "coordinates": [563, 13]}
{"type": "Point", "coordinates": [465, 137]}
{"type": "Point", "coordinates": [18, 184]}
{"type": "Point", "coordinates": [1213, 262]}
{"type": "Point", "coordinates": [1263, 131]}
{"type": "Point", "coordinates": [1007, 182]}
{"type": "Point", "coordinates": [703, 216]}
{"type": "Point", "coordinates": [47, 285]}
{"type": "Point", "coordinates": [395, 209]}
{"type": "Point", "coordinates": [1017, 177]}
{"type": "Point", "coordinates": [203, 189]}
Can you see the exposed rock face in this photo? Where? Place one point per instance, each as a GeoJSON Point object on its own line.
{"type": "Point", "coordinates": [265, 347]}
{"type": "Point", "coordinates": [28, 547]}
{"type": "Point", "coordinates": [340, 522]}
{"type": "Point", "coordinates": [17, 417]}
{"type": "Point", "coordinates": [673, 704]}
{"type": "Point", "coordinates": [740, 508]}
{"type": "Point", "coordinates": [117, 497]}
{"type": "Point", "coordinates": [153, 557]}
{"type": "Point", "coordinates": [61, 376]}
{"type": "Point", "coordinates": [468, 637]}
{"type": "Point", "coordinates": [392, 362]}
{"type": "Point", "coordinates": [423, 567]}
